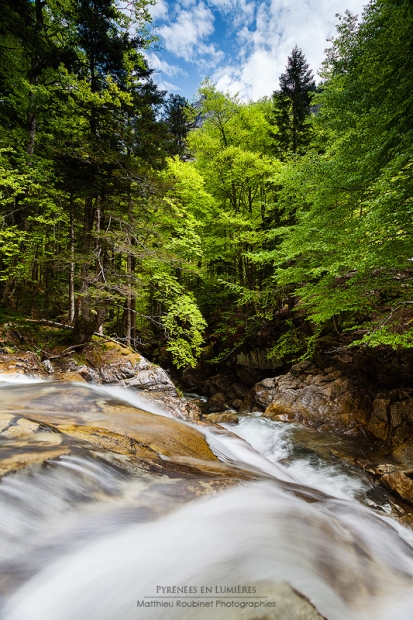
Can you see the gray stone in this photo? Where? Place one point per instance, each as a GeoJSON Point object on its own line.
{"type": "Point", "coordinates": [309, 395]}
{"type": "Point", "coordinates": [153, 379]}
{"type": "Point", "coordinates": [48, 366]}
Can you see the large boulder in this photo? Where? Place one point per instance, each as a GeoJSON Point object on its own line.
{"type": "Point", "coordinates": [324, 399]}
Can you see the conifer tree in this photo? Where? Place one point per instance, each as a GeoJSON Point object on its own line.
{"type": "Point", "coordinates": [291, 104]}
{"type": "Point", "coordinates": [178, 123]}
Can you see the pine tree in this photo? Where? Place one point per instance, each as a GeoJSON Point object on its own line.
{"type": "Point", "coordinates": [291, 104]}
{"type": "Point", "coordinates": [178, 123]}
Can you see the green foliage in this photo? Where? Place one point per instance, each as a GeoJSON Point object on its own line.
{"type": "Point", "coordinates": [348, 251]}
{"type": "Point", "coordinates": [291, 104]}
{"type": "Point", "coordinates": [184, 325]}
{"type": "Point", "coordinates": [98, 227]}
{"type": "Point", "coordinates": [177, 113]}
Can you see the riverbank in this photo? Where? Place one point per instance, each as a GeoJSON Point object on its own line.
{"type": "Point", "coordinates": [336, 400]}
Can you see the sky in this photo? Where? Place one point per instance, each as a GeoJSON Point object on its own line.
{"type": "Point", "coordinates": [241, 45]}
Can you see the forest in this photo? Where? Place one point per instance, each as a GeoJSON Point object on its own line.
{"type": "Point", "coordinates": [213, 224]}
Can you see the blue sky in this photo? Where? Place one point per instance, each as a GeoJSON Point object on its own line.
{"type": "Point", "coordinates": [242, 45]}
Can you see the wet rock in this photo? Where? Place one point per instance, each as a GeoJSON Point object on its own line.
{"type": "Point", "coordinates": [55, 404]}
{"type": "Point", "coordinates": [48, 366]}
{"type": "Point", "coordinates": [218, 418]}
{"type": "Point", "coordinates": [27, 363]}
{"type": "Point", "coordinates": [70, 376]}
{"type": "Point", "coordinates": [153, 379]}
{"type": "Point", "coordinates": [217, 402]}
{"type": "Point", "coordinates": [276, 411]}
{"type": "Point", "coordinates": [178, 407]}
{"type": "Point", "coordinates": [62, 419]}
{"type": "Point", "coordinates": [401, 483]}
{"type": "Point", "coordinates": [407, 521]}
{"type": "Point", "coordinates": [325, 400]}
{"type": "Point", "coordinates": [29, 458]}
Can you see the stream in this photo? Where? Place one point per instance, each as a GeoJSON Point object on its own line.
{"type": "Point", "coordinates": [272, 530]}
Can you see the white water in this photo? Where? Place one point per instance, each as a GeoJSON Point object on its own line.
{"type": "Point", "coordinates": [83, 548]}
{"type": "Point", "coordinates": [274, 440]}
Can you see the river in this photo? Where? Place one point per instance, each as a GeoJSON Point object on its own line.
{"type": "Point", "coordinates": [297, 537]}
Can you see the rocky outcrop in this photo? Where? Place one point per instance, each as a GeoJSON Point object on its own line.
{"type": "Point", "coordinates": [107, 364]}
{"type": "Point", "coordinates": [227, 389]}
{"type": "Point", "coordinates": [22, 363]}
{"type": "Point", "coordinates": [401, 483]}
{"type": "Point", "coordinates": [392, 417]}
{"type": "Point", "coordinates": [327, 399]}
{"type": "Point", "coordinates": [333, 400]}
{"type": "Point", "coordinates": [43, 422]}
{"type": "Point", "coordinates": [230, 385]}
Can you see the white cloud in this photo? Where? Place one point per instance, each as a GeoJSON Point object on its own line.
{"type": "Point", "coordinates": [185, 37]}
{"type": "Point", "coordinates": [158, 64]}
{"type": "Point", "coordinates": [264, 48]}
{"type": "Point", "coordinates": [261, 33]}
{"type": "Point", "coordinates": [168, 86]}
{"type": "Point", "coordinates": [159, 10]}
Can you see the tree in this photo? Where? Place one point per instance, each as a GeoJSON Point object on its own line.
{"type": "Point", "coordinates": [291, 104]}
{"type": "Point", "coordinates": [176, 116]}
{"type": "Point", "coordinates": [349, 254]}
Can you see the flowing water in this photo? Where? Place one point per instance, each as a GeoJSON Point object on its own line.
{"type": "Point", "coordinates": [297, 537]}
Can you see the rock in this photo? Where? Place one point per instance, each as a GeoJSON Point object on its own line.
{"type": "Point", "coordinates": [48, 366]}
{"type": "Point", "coordinates": [381, 408]}
{"type": "Point", "coordinates": [110, 364]}
{"type": "Point", "coordinates": [401, 411]}
{"type": "Point", "coordinates": [192, 378]}
{"type": "Point", "coordinates": [153, 379]}
{"type": "Point", "coordinates": [326, 400]}
{"type": "Point", "coordinates": [70, 376]}
{"type": "Point", "coordinates": [219, 383]}
{"type": "Point", "coordinates": [407, 521]}
{"type": "Point", "coordinates": [62, 419]}
{"type": "Point", "coordinates": [249, 376]}
{"type": "Point", "coordinates": [217, 402]}
{"type": "Point", "coordinates": [404, 453]}
{"type": "Point", "coordinates": [88, 374]}
{"type": "Point", "coordinates": [218, 418]}
{"type": "Point", "coordinates": [401, 483]}
{"type": "Point", "coordinates": [333, 400]}
{"type": "Point", "coordinates": [27, 363]}
{"type": "Point", "coordinates": [276, 411]}
{"type": "Point", "coordinates": [179, 407]}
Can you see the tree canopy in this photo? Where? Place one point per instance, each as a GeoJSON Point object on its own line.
{"type": "Point", "coordinates": [167, 224]}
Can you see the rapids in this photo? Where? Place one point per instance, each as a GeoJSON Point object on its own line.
{"type": "Point", "coordinates": [83, 537]}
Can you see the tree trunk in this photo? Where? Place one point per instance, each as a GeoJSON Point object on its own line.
{"type": "Point", "coordinates": [72, 266]}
